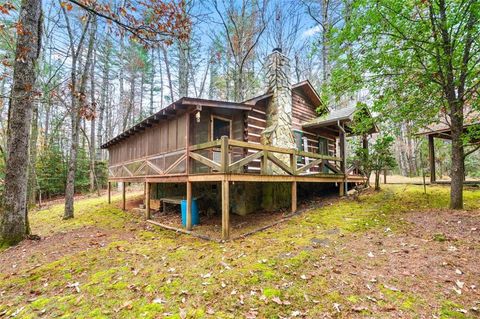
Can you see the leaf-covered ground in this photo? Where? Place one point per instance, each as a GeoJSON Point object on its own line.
{"type": "Point", "coordinates": [397, 253]}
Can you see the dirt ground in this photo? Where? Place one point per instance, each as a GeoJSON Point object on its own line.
{"type": "Point", "coordinates": [437, 253]}
{"type": "Point", "coordinates": [394, 254]}
{"type": "Point", "coordinates": [34, 253]}
{"type": "Point", "coordinates": [240, 226]}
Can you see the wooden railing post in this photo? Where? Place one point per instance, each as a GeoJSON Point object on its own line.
{"type": "Point", "coordinates": [293, 162]}
{"type": "Point", "coordinates": [224, 156]}
{"type": "Point", "coordinates": [264, 168]}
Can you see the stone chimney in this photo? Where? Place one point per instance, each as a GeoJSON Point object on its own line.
{"type": "Point", "coordinates": [279, 109]}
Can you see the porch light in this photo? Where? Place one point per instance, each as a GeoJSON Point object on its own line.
{"type": "Point", "coordinates": [197, 116]}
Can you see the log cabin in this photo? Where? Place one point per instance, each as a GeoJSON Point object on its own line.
{"type": "Point", "coordinates": [237, 157]}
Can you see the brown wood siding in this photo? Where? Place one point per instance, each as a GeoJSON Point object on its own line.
{"type": "Point", "coordinates": [167, 136]}
{"type": "Point", "coordinates": [302, 109]}
{"type": "Point", "coordinates": [256, 122]}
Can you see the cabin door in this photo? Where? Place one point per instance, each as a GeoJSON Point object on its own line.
{"type": "Point", "coordinates": [220, 127]}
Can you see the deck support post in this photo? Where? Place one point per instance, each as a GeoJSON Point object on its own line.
{"type": "Point", "coordinates": [109, 191]}
{"type": "Point", "coordinates": [189, 206]}
{"type": "Point", "coordinates": [225, 210]}
{"type": "Point", "coordinates": [343, 163]}
{"type": "Point", "coordinates": [124, 187]}
{"type": "Point", "coordinates": [294, 197]}
{"type": "Point", "coordinates": [341, 189]}
{"type": "Point", "coordinates": [147, 200]}
{"type": "Point", "coordinates": [431, 157]}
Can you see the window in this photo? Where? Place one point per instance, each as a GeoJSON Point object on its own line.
{"type": "Point", "coordinates": [299, 142]}
{"type": "Point", "coordinates": [220, 127]}
{"type": "Point", "coordinates": [323, 149]}
{"type": "Point", "coordinates": [322, 146]}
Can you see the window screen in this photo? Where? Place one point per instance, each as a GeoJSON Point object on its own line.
{"type": "Point", "coordinates": [299, 142]}
{"type": "Point", "coordinates": [220, 128]}
{"type": "Point", "coordinates": [322, 146]}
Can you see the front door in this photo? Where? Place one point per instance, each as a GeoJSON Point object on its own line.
{"type": "Point", "coordinates": [220, 127]}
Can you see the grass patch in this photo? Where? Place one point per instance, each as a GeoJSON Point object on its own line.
{"type": "Point", "coordinates": [162, 274]}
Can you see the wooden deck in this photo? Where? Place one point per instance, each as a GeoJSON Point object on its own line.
{"type": "Point", "coordinates": [228, 160]}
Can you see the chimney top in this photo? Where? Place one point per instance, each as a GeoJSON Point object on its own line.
{"type": "Point", "coordinates": [277, 50]}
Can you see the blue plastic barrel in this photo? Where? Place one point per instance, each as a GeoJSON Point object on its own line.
{"type": "Point", "coordinates": [195, 215]}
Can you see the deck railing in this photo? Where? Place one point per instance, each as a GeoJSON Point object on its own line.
{"type": "Point", "coordinates": [268, 156]}
{"type": "Point", "coordinates": [229, 156]}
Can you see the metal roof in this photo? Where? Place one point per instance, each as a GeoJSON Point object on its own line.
{"type": "Point", "coordinates": [332, 117]}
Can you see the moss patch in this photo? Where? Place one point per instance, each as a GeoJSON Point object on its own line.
{"type": "Point", "coordinates": [296, 268]}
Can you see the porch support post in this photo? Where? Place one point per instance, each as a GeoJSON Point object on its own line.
{"type": "Point", "coordinates": [109, 191]}
{"type": "Point", "coordinates": [341, 189]}
{"type": "Point", "coordinates": [144, 193]}
{"type": "Point", "coordinates": [124, 186]}
{"type": "Point", "coordinates": [431, 156]}
{"type": "Point", "coordinates": [189, 205]}
{"type": "Point", "coordinates": [225, 210]}
{"type": "Point", "coordinates": [342, 151]}
{"type": "Point", "coordinates": [147, 200]}
{"type": "Point", "coordinates": [294, 196]}
{"type": "Point", "coordinates": [343, 163]}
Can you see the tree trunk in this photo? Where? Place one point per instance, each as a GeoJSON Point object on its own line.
{"type": "Point", "coordinates": [182, 69]}
{"type": "Point", "coordinates": [325, 40]}
{"type": "Point", "coordinates": [93, 179]}
{"type": "Point", "coordinates": [160, 72]}
{"type": "Point", "coordinates": [458, 165]}
{"type": "Point", "coordinates": [78, 100]}
{"type": "Point", "coordinates": [169, 76]}
{"type": "Point", "coordinates": [103, 97]}
{"type": "Point", "coordinates": [13, 225]}
{"type": "Point", "coordinates": [152, 81]}
{"type": "Point", "coordinates": [32, 176]}
{"type": "Point", "coordinates": [377, 180]}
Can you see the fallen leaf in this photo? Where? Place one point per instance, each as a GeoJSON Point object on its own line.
{"type": "Point", "coordinates": [459, 284]}
{"type": "Point", "coordinates": [392, 288]}
{"type": "Point", "coordinates": [159, 300]}
{"type": "Point", "coordinates": [336, 306]}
